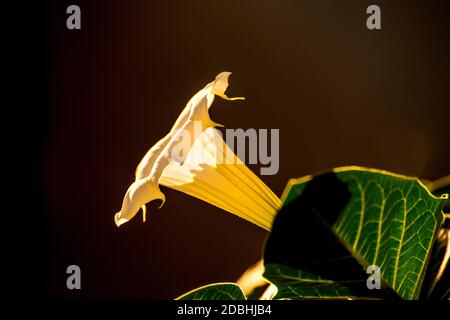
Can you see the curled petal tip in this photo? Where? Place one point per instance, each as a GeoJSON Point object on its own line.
{"type": "Point", "coordinates": [163, 199]}
{"type": "Point", "coordinates": [118, 220]}
{"type": "Point", "coordinates": [138, 194]}
{"type": "Point", "coordinates": [220, 84]}
{"type": "Point", "coordinates": [225, 97]}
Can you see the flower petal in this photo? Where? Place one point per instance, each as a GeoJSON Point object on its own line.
{"type": "Point", "coordinates": [191, 122]}
{"type": "Point", "coordinates": [194, 159]}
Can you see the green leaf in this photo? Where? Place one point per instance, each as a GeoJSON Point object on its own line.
{"type": "Point", "coordinates": [293, 283]}
{"type": "Point", "coordinates": [440, 187]}
{"type": "Point", "coordinates": [437, 278]}
{"type": "Point", "coordinates": [334, 225]}
{"type": "Point", "coordinates": [215, 291]}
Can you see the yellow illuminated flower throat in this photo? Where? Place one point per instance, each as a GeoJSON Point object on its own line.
{"type": "Point", "coordinates": [193, 158]}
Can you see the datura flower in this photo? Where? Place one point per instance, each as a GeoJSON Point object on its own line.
{"type": "Point", "coordinates": [193, 158]}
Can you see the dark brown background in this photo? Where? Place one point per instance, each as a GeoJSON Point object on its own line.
{"type": "Point", "coordinates": [339, 93]}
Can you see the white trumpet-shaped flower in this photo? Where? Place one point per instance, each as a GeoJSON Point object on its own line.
{"type": "Point", "coordinates": [193, 158]}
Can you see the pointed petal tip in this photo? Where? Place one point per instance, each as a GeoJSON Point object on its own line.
{"type": "Point", "coordinates": [208, 123]}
